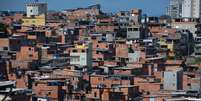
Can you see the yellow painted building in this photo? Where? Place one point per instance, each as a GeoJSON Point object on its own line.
{"type": "Point", "coordinates": [168, 45]}
{"type": "Point", "coordinates": [83, 46]}
{"type": "Point", "coordinates": [36, 20]}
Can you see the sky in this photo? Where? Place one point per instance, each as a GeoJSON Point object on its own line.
{"type": "Point", "coordinates": [150, 7]}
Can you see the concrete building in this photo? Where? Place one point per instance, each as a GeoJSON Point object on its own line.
{"type": "Point", "coordinates": [173, 79]}
{"type": "Point", "coordinates": [123, 19]}
{"type": "Point", "coordinates": [37, 20]}
{"type": "Point", "coordinates": [133, 32]}
{"type": "Point", "coordinates": [175, 8]}
{"type": "Point", "coordinates": [185, 23]}
{"type": "Point", "coordinates": [36, 14]}
{"type": "Point", "coordinates": [105, 24]}
{"type": "Point", "coordinates": [197, 48]}
{"type": "Point", "coordinates": [103, 85]}
{"type": "Point", "coordinates": [121, 50]}
{"type": "Point", "coordinates": [4, 44]}
{"type": "Point", "coordinates": [184, 8]}
{"type": "Point", "coordinates": [36, 9]}
{"type": "Point", "coordinates": [48, 89]}
{"type": "Point", "coordinates": [135, 16]}
{"type": "Point", "coordinates": [134, 57]}
{"type": "Point", "coordinates": [191, 8]}
{"type": "Point", "coordinates": [191, 82]}
{"type": "Point", "coordinates": [81, 55]}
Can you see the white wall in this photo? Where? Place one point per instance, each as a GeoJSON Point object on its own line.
{"type": "Point", "coordinates": [186, 8]}
{"type": "Point", "coordinates": [82, 59]}
{"type": "Point", "coordinates": [196, 8]}
{"type": "Point", "coordinates": [36, 9]}
{"type": "Point", "coordinates": [170, 80]}
{"type": "Point", "coordinates": [191, 8]}
{"type": "Point", "coordinates": [32, 10]}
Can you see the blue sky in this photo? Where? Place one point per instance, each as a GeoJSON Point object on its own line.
{"type": "Point", "coordinates": [150, 7]}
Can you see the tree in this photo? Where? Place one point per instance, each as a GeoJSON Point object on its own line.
{"type": "Point", "coordinates": [3, 28]}
{"type": "Point", "coordinates": [3, 31]}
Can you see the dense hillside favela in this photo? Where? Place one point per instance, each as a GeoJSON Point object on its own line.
{"type": "Point", "coordinates": [86, 54]}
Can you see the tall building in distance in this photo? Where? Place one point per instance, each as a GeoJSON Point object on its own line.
{"type": "Point", "coordinates": [175, 8]}
{"type": "Point", "coordinates": [36, 9]}
{"type": "Point", "coordinates": [184, 8]}
{"type": "Point", "coordinates": [36, 14]}
{"type": "Point", "coordinates": [191, 8]}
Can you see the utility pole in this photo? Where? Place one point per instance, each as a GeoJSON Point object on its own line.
{"type": "Point", "coordinates": [200, 84]}
{"type": "Point", "coordinates": [188, 43]}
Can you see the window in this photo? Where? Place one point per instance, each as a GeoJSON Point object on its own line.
{"type": "Point", "coordinates": [83, 51]}
{"type": "Point", "coordinates": [97, 52]}
{"type": "Point", "coordinates": [95, 94]}
{"type": "Point", "coordinates": [5, 48]}
{"type": "Point", "coordinates": [30, 55]}
{"type": "Point", "coordinates": [29, 49]}
{"type": "Point", "coordinates": [161, 86]}
{"type": "Point", "coordinates": [100, 79]}
{"type": "Point", "coordinates": [75, 59]}
{"type": "Point", "coordinates": [100, 59]}
{"type": "Point", "coordinates": [31, 11]}
{"type": "Point", "coordinates": [75, 51]}
{"type": "Point", "coordinates": [129, 29]}
{"type": "Point", "coordinates": [77, 97]}
{"type": "Point", "coordinates": [173, 84]}
{"type": "Point", "coordinates": [83, 59]}
{"type": "Point", "coordinates": [135, 29]}
{"type": "Point", "coordinates": [163, 46]}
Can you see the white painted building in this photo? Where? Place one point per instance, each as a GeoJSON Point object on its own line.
{"type": "Point", "coordinates": [174, 9]}
{"type": "Point", "coordinates": [191, 8]}
{"type": "Point", "coordinates": [186, 24]}
{"type": "Point", "coordinates": [184, 8]}
{"type": "Point", "coordinates": [173, 79]}
{"type": "Point", "coordinates": [134, 57]}
{"type": "Point", "coordinates": [81, 55]}
{"type": "Point", "coordinates": [133, 32]}
{"type": "Point", "coordinates": [36, 9]}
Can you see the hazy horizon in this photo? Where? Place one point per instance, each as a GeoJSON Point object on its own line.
{"type": "Point", "coordinates": [109, 6]}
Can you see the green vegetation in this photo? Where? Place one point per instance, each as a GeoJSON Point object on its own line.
{"type": "Point", "coordinates": [3, 28]}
